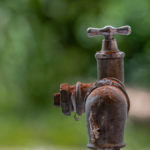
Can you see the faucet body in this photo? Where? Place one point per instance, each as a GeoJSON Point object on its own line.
{"type": "Point", "coordinates": [105, 101]}
{"type": "Point", "coordinates": [106, 110]}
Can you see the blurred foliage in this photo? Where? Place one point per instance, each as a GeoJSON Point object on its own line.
{"type": "Point", "coordinates": [44, 43]}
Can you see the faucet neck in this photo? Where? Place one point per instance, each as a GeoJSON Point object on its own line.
{"type": "Point", "coordinates": [109, 45]}
{"type": "Point", "coordinates": [110, 61]}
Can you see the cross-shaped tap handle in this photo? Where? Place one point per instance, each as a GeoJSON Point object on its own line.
{"type": "Point", "coordinates": [109, 31]}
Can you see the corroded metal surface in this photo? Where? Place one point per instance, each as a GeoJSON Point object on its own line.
{"type": "Point", "coordinates": [110, 60]}
{"type": "Point", "coordinates": [71, 98]}
{"type": "Point", "coordinates": [105, 102]}
{"type": "Point", "coordinates": [111, 82]}
{"type": "Point", "coordinates": [107, 105]}
{"type": "Point", "coordinates": [112, 66]}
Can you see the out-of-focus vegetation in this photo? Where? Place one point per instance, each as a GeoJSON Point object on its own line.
{"type": "Point", "coordinates": [44, 43]}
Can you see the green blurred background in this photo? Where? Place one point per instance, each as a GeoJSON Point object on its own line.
{"type": "Point", "coordinates": [44, 43]}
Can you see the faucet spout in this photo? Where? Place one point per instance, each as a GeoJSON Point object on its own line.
{"type": "Point", "coordinates": [106, 110]}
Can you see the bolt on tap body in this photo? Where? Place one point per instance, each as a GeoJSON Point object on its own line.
{"type": "Point", "coordinates": [105, 101]}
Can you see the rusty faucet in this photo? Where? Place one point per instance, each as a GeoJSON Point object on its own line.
{"type": "Point", "coordinates": [105, 101]}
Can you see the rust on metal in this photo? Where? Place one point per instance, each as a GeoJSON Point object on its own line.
{"type": "Point", "coordinates": [106, 109]}
{"type": "Point", "coordinates": [110, 60]}
{"type": "Point", "coordinates": [105, 102]}
{"type": "Point", "coordinates": [57, 99]}
{"type": "Point", "coordinates": [64, 96]}
{"type": "Point", "coordinates": [94, 129]}
{"type": "Point", "coordinates": [71, 98]}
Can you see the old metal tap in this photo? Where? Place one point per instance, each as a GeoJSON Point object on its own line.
{"type": "Point", "coordinates": [105, 102]}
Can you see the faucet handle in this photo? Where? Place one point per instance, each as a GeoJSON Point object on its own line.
{"type": "Point", "coordinates": [109, 31]}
